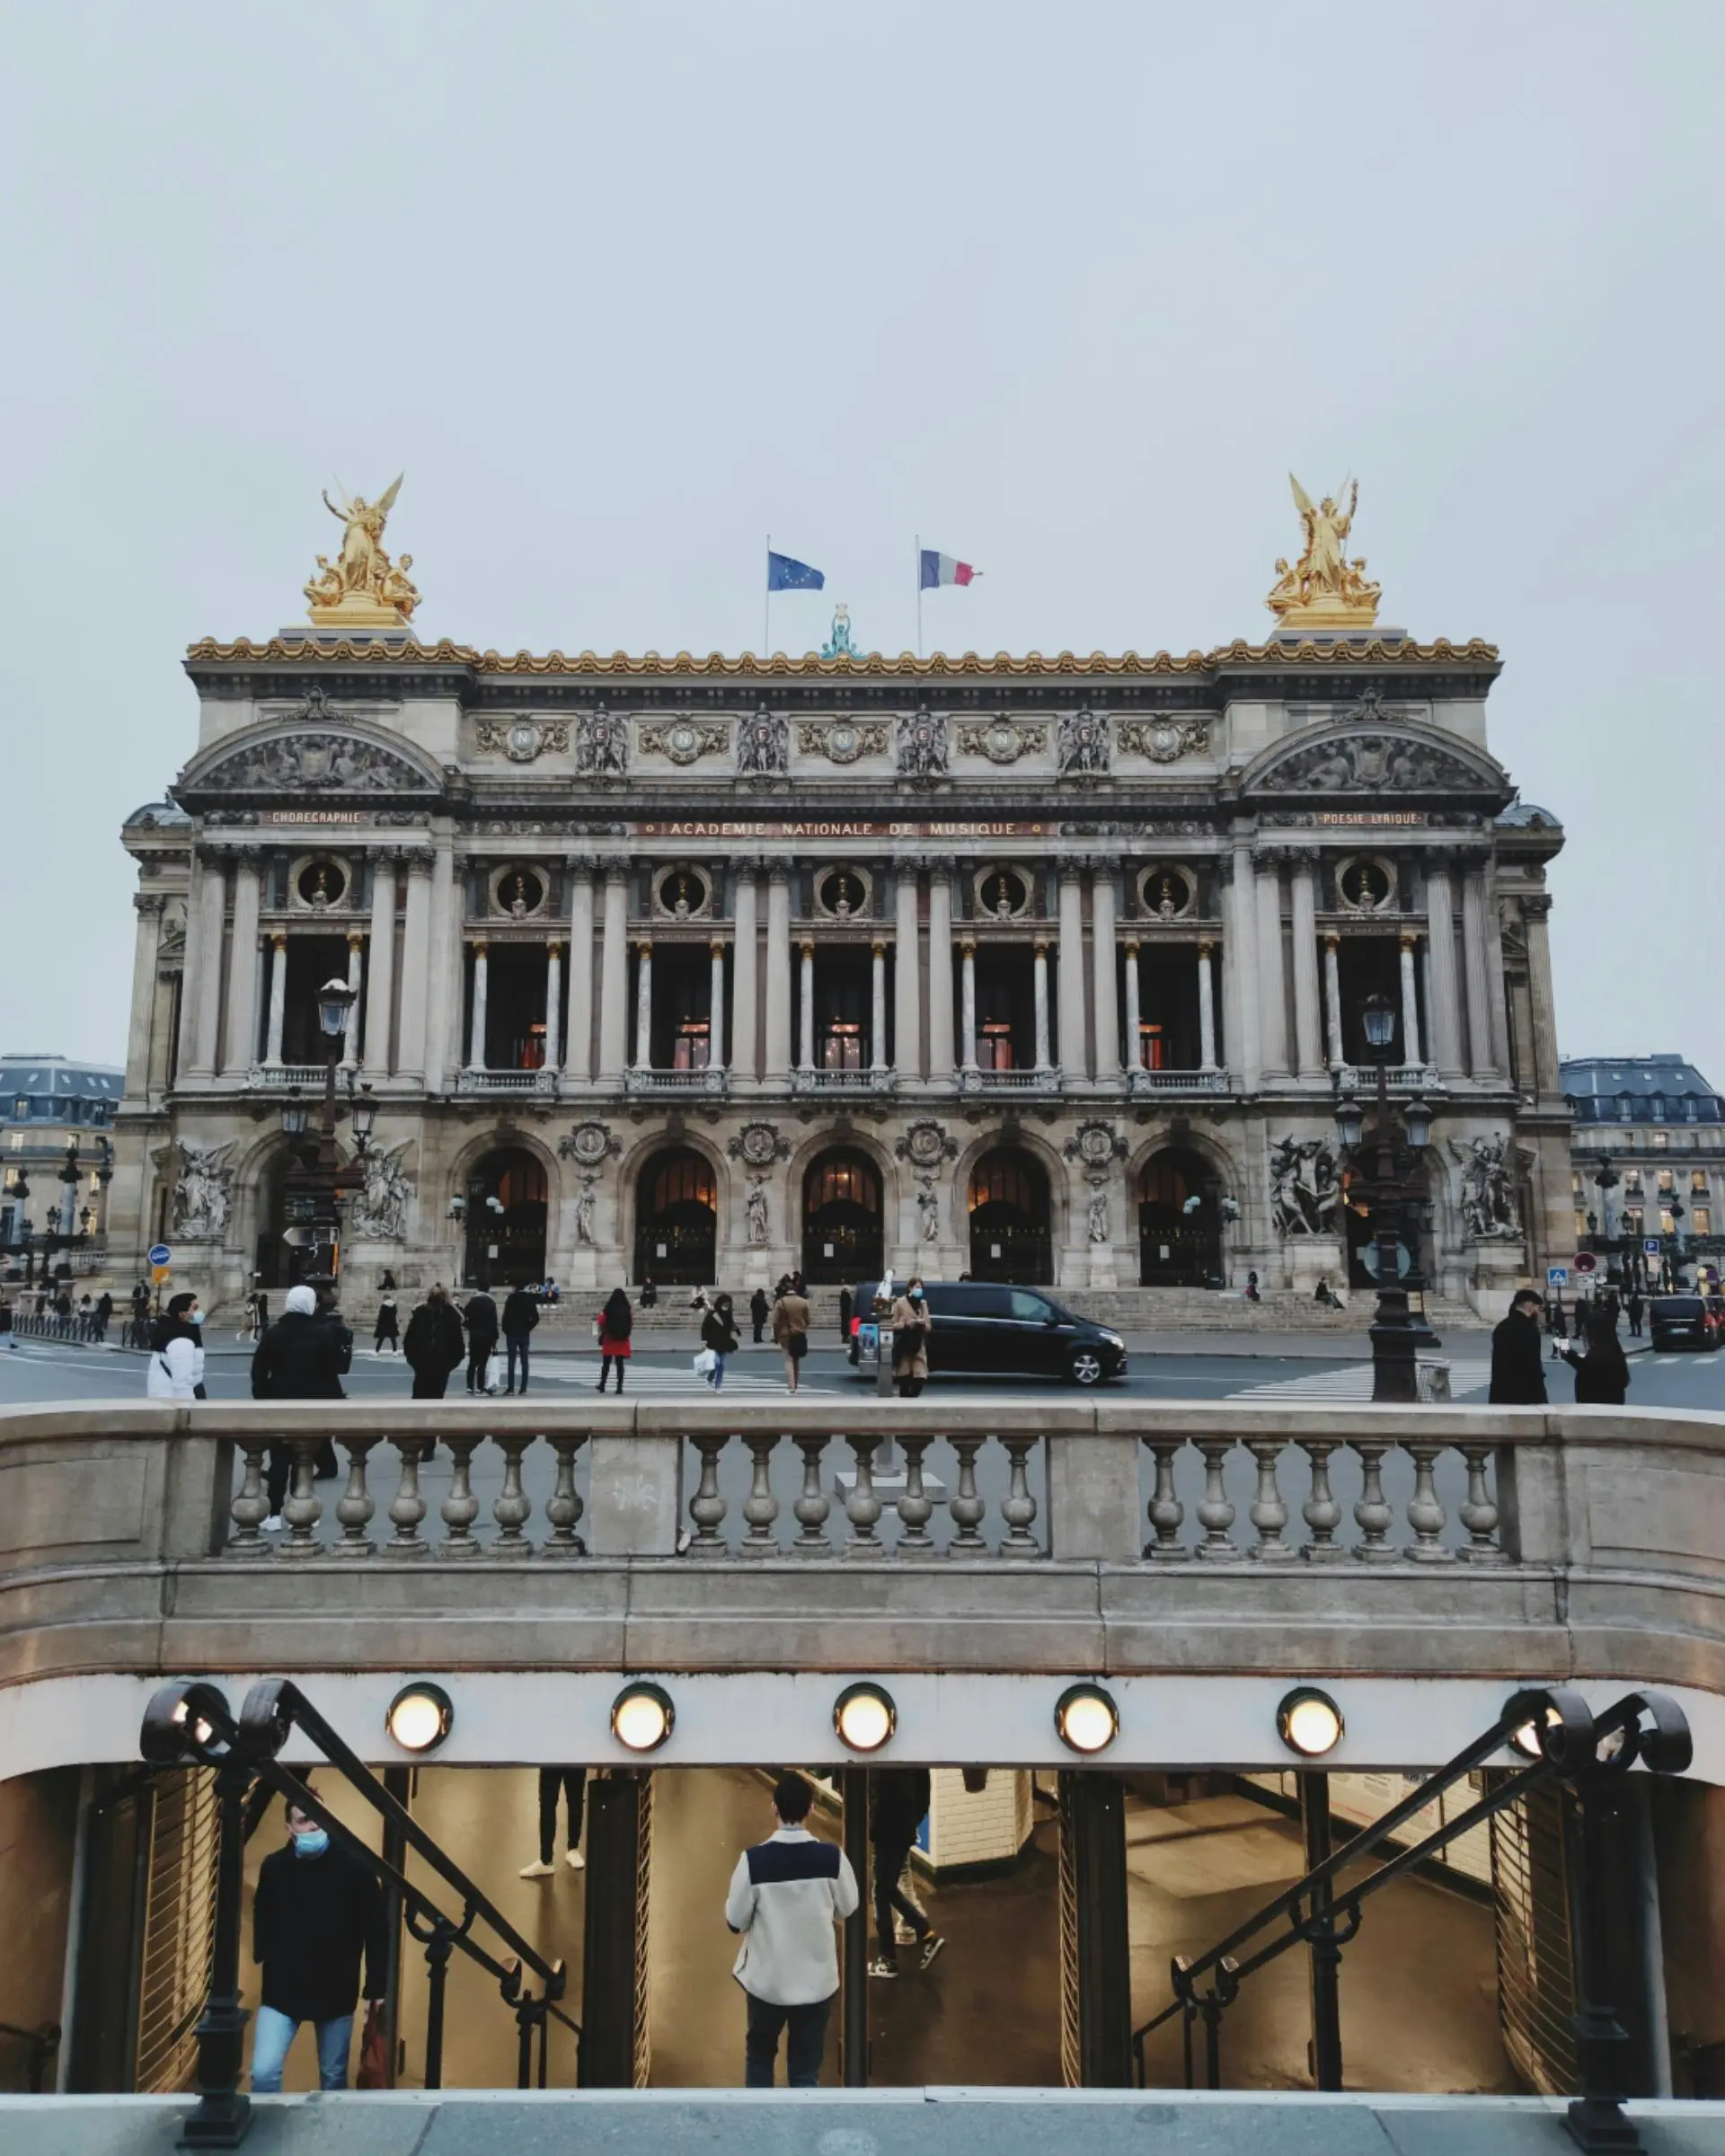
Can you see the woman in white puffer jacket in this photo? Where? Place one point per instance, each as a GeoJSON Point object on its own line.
{"type": "Point", "coordinates": [176, 1364]}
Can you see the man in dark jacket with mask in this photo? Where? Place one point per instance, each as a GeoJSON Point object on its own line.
{"type": "Point", "coordinates": [1518, 1373]}
{"type": "Point", "coordinates": [521, 1315]}
{"type": "Point", "coordinates": [301, 1357]}
{"type": "Point", "coordinates": [318, 1907]}
{"type": "Point", "coordinates": [899, 1801]}
{"type": "Point", "coordinates": [480, 1317]}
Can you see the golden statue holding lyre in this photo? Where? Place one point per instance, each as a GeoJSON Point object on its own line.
{"type": "Point", "coordinates": [362, 588]}
{"type": "Point", "coordinates": [1324, 590]}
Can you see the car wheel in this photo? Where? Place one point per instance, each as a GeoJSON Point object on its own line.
{"type": "Point", "coordinates": [1086, 1368]}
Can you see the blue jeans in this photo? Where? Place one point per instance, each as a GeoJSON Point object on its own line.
{"type": "Point", "coordinates": [716, 1381]}
{"type": "Point", "coordinates": [274, 2034]}
{"type": "Point", "coordinates": [517, 1344]}
{"type": "Point", "coordinates": [804, 2043]}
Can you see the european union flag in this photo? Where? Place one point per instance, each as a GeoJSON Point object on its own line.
{"type": "Point", "coordinates": [783, 574]}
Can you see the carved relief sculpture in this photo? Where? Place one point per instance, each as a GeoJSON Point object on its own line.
{"type": "Point", "coordinates": [1371, 764]}
{"type": "Point", "coordinates": [684, 741]}
{"type": "Point", "coordinates": [588, 1144]}
{"type": "Point", "coordinates": [1096, 1212]}
{"type": "Point", "coordinates": [601, 745]}
{"type": "Point", "coordinates": [923, 752]}
{"type": "Point", "coordinates": [1324, 589]}
{"type": "Point", "coordinates": [926, 1145]}
{"type": "Point", "coordinates": [203, 1192]}
{"type": "Point", "coordinates": [928, 1211]}
{"type": "Point", "coordinates": [1083, 744]}
{"type": "Point", "coordinates": [1305, 1183]}
{"type": "Point", "coordinates": [380, 1214]}
{"type": "Point", "coordinates": [362, 589]}
{"type": "Point", "coordinates": [1096, 1144]}
{"type": "Point", "coordinates": [842, 740]}
{"type": "Point", "coordinates": [1488, 1208]}
{"type": "Point", "coordinates": [764, 746]}
{"type": "Point", "coordinates": [1002, 740]}
{"type": "Point", "coordinates": [586, 1206]}
{"type": "Point", "coordinates": [755, 1224]}
{"type": "Point", "coordinates": [521, 739]}
{"type": "Point", "coordinates": [759, 1144]}
{"type": "Point", "coordinates": [1162, 740]}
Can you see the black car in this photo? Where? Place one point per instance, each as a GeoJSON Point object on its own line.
{"type": "Point", "coordinates": [1686, 1322]}
{"type": "Point", "coordinates": [983, 1328]}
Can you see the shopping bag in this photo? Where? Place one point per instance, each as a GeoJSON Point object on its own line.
{"type": "Point", "coordinates": [373, 2050]}
{"type": "Point", "coordinates": [705, 1363]}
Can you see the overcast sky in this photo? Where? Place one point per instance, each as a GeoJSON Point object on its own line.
{"type": "Point", "coordinates": [1065, 289]}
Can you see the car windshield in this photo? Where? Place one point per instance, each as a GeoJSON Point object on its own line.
{"type": "Point", "coordinates": [1677, 1306]}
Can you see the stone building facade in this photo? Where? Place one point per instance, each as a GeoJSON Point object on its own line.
{"type": "Point", "coordinates": [1047, 969]}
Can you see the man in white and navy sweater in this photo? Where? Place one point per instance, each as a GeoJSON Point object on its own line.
{"type": "Point", "coordinates": [786, 1894]}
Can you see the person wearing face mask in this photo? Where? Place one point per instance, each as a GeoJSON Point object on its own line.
{"type": "Point", "coordinates": [318, 1907]}
{"type": "Point", "coordinates": [909, 1322]}
{"type": "Point", "coordinates": [175, 1370]}
{"type": "Point", "coordinates": [301, 1357]}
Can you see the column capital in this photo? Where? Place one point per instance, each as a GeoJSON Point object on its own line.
{"type": "Point", "coordinates": [778, 872]}
{"type": "Point", "coordinates": [644, 944]}
{"type": "Point", "coordinates": [1206, 947]}
{"type": "Point", "coordinates": [1040, 946]}
{"type": "Point", "coordinates": [555, 946]}
{"type": "Point", "coordinates": [1131, 946]}
{"type": "Point", "coordinates": [968, 946]}
{"type": "Point", "coordinates": [479, 946]}
{"type": "Point", "coordinates": [877, 946]}
{"type": "Point", "coordinates": [1409, 939]}
{"type": "Point", "coordinates": [149, 902]}
{"type": "Point", "coordinates": [1438, 860]}
{"type": "Point", "coordinates": [356, 938]}
{"type": "Point", "coordinates": [615, 866]}
{"type": "Point", "coordinates": [579, 864]}
{"type": "Point", "coordinates": [1537, 905]}
{"type": "Point", "coordinates": [806, 944]}
{"type": "Point", "coordinates": [1332, 939]}
{"type": "Point", "coordinates": [716, 945]}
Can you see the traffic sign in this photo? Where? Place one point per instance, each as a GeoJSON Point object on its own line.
{"type": "Point", "coordinates": [1652, 1245]}
{"type": "Point", "coordinates": [1587, 1263]}
{"type": "Point", "coordinates": [1557, 1276]}
{"type": "Point", "coordinates": [160, 1254]}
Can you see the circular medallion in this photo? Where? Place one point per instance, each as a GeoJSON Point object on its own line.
{"type": "Point", "coordinates": [760, 1143]}
{"type": "Point", "coordinates": [842, 744]}
{"type": "Point", "coordinates": [523, 741]}
{"type": "Point", "coordinates": [589, 1142]}
{"type": "Point", "coordinates": [1001, 742]}
{"type": "Point", "coordinates": [682, 743]}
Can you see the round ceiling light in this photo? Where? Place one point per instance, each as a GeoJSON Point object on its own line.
{"type": "Point", "coordinates": [864, 1717]}
{"type": "Point", "coordinates": [643, 1717]}
{"type": "Point", "coordinates": [1086, 1718]}
{"type": "Point", "coordinates": [1309, 1722]}
{"type": "Point", "coordinates": [1526, 1739]}
{"type": "Point", "coordinates": [420, 1717]}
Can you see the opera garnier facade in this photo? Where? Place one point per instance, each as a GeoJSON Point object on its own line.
{"type": "Point", "coordinates": [1043, 970]}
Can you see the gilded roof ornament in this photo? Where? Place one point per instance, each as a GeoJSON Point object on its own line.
{"type": "Point", "coordinates": [1324, 590]}
{"type": "Point", "coordinates": [362, 588]}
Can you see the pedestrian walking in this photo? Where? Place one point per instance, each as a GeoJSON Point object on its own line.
{"type": "Point", "coordinates": [846, 1311]}
{"type": "Point", "coordinates": [718, 1340]}
{"type": "Point", "coordinates": [615, 1323]}
{"type": "Point", "coordinates": [1517, 1374]}
{"type": "Point", "coordinates": [898, 1802]}
{"type": "Point", "coordinates": [1637, 1309]}
{"type": "Point", "coordinates": [386, 1332]}
{"type": "Point", "coordinates": [63, 1313]}
{"type": "Point", "coordinates": [786, 1895]}
{"type": "Point", "coordinates": [175, 1370]}
{"type": "Point", "coordinates": [140, 1316]}
{"type": "Point", "coordinates": [1601, 1369]}
{"type": "Point", "coordinates": [317, 1909]}
{"type": "Point", "coordinates": [792, 1318]}
{"type": "Point", "coordinates": [910, 1325]}
{"type": "Point", "coordinates": [301, 1357]}
{"type": "Point", "coordinates": [104, 1317]}
{"type": "Point", "coordinates": [570, 1784]}
{"type": "Point", "coordinates": [480, 1317]}
{"type": "Point", "coordinates": [6, 1332]}
{"type": "Point", "coordinates": [521, 1315]}
{"type": "Point", "coordinates": [759, 1309]}
{"type": "Point", "coordinates": [434, 1348]}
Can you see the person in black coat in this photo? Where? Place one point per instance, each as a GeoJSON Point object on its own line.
{"type": "Point", "coordinates": [1602, 1371]}
{"type": "Point", "coordinates": [1518, 1373]}
{"type": "Point", "coordinates": [301, 1357]}
{"type": "Point", "coordinates": [434, 1346]}
{"type": "Point", "coordinates": [759, 1310]}
{"type": "Point", "coordinates": [899, 1801]}
{"type": "Point", "coordinates": [318, 1908]}
{"type": "Point", "coordinates": [718, 1332]}
{"type": "Point", "coordinates": [521, 1315]}
{"type": "Point", "coordinates": [480, 1317]}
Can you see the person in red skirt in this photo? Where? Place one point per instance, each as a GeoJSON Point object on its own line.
{"type": "Point", "coordinates": [616, 1323]}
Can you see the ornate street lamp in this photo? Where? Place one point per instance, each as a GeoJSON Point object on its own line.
{"type": "Point", "coordinates": [293, 1113]}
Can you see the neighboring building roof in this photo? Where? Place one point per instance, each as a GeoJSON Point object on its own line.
{"type": "Point", "coordinates": [56, 1088]}
{"type": "Point", "coordinates": [1528, 816]}
{"type": "Point", "coordinates": [1652, 1089]}
{"type": "Point", "coordinates": [163, 811]}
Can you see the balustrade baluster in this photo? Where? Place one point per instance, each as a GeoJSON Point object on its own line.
{"type": "Point", "coordinates": [862, 1509]}
{"type": "Point", "coordinates": [1480, 1511]}
{"type": "Point", "coordinates": [966, 1507]}
{"type": "Point", "coordinates": [1167, 1514]}
{"type": "Point", "coordinates": [460, 1508]}
{"type": "Point", "coordinates": [407, 1507]}
{"type": "Point", "coordinates": [355, 1507]}
{"type": "Point", "coordinates": [1268, 1507]}
{"type": "Point", "coordinates": [1019, 1509]}
{"type": "Point", "coordinates": [812, 1505]}
{"type": "Point", "coordinates": [511, 1508]}
{"type": "Point", "coordinates": [1320, 1512]}
{"type": "Point", "coordinates": [760, 1507]}
{"type": "Point", "coordinates": [303, 1508]}
{"type": "Point", "coordinates": [915, 1507]}
{"type": "Point", "coordinates": [251, 1505]}
{"type": "Point", "coordinates": [1425, 1514]}
{"type": "Point", "coordinates": [1373, 1513]}
{"type": "Point", "coordinates": [707, 1508]}
{"type": "Point", "coordinates": [563, 1507]}
{"type": "Point", "coordinates": [1214, 1512]}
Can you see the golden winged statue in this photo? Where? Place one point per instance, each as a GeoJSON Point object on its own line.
{"type": "Point", "coordinates": [362, 588]}
{"type": "Point", "coordinates": [1324, 589]}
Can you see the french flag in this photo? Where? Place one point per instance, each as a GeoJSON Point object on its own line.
{"type": "Point", "coordinates": [943, 569]}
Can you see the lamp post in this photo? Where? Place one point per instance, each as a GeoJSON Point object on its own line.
{"type": "Point", "coordinates": [316, 1185]}
{"type": "Point", "coordinates": [1398, 1332]}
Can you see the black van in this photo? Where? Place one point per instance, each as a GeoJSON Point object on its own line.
{"type": "Point", "coordinates": [1686, 1322]}
{"type": "Point", "coordinates": [985, 1329]}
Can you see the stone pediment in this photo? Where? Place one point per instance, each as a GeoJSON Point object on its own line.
{"type": "Point", "coordinates": [1399, 758]}
{"type": "Point", "coordinates": [316, 751]}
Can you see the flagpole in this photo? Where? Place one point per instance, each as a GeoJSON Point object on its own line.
{"type": "Point", "coordinates": [919, 595]}
{"type": "Point", "coordinates": [766, 604]}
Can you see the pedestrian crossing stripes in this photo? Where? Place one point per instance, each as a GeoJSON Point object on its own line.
{"type": "Point", "coordinates": [1352, 1382]}
{"type": "Point", "coordinates": [648, 1380]}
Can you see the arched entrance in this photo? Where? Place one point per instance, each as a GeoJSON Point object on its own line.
{"type": "Point", "coordinates": [1180, 1222]}
{"type": "Point", "coordinates": [842, 1240]}
{"type": "Point", "coordinates": [1010, 1238]}
{"type": "Point", "coordinates": [507, 1204]}
{"type": "Point", "coordinates": [677, 1219]}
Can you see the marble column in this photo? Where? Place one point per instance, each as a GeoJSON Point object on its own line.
{"type": "Point", "coordinates": [716, 1005]}
{"type": "Point", "coordinates": [806, 1012]}
{"type": "Point", "coordinates": [745, 974]}
{"type": "Point", "coordinates": [578, 1049]}
{"type": "Point", "coordinates": [416, 967]}
{"type": "Point", "coordinates": [778, 976]}
{"type": "Point", "coordinates": [356, 1008]}
{"type": "Point", "coordinates": [1104, 992]}
{"type": "Point", "coordinates": [445, 981]}
{"type": "Point", "coordinates": [381, 994]}
{"type": "Point", "coordinates": [1272, 1012]}
{"type": "Point", "coordinates": [614, 976]}
{"type": "Point", "coordinates": [553, 1004]}
{"type": "Point", "coordinates": [1410, 1054]}
{"type": "Point", "coordinates": [1308, 1046]}
{"type": "Point", "coordinates": [906, 981]}
{"type": "Point", "coordinates": [240, 1049]}
{"type": "Point", "coordinates": [1480, 1059]}
{"type": "Point", "coordinates": [1071, 989]}
{"type": "Point", "coordinates": [277, 999]}
{"type": "Point", "coordinates": [1541, 1080]}
{"type": "Point", "coordinates": [1039, 976]}
{"type": "Point", "coordinates": [1499, 985]}
{"type": "Point", "coordinates": [941, 1050]}
{"type": "Point", "coordinates": [966, 1000]}
{"type": "Point", "coordinates": [645, 1004]}
{"type": "Point", "coordinates": [476, 1018]}
{"type": "Point", "coordinates": [1239, 968]}
{"type": "Point", "coordinates": [1443, 1015]}
{"type": "Point", "coordinates": [878, 1007]}
{"type": "Point", "coordinates": [146, 950]}
{"type": "Point", "coordinates": [1134, 1009]}
{"type": "Point", "coordinates": [1332, 998]}
{"type": "Point", "coordinates": [201, 998]}
{"type": "Point", "coordinates": [1207, 1007]}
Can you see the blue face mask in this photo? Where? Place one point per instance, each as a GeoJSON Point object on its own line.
{"type": "Point", "coordinates": [312, 1843]}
